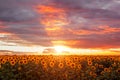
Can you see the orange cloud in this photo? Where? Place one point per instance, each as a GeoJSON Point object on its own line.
{"type": "Point", "coordinates": [49, 22]}
{"type": "Point", "coordinates": [70, 43]}
{"type": "Point", "coordinates": [52, 16]}
{"type": "Point", "coordinates": [48, 9]}
{"type": "Point", "coordinates": [108, 29]}
{"type": "Point", "coordinates": [53, 20]}
{"type": "Point", "coordinates": [79, 44]}
{"type": "Point", "coordinates": [99, 30]}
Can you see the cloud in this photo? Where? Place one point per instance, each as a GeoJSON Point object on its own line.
{"type": "Point", "coordinates": [74, 23]}
{"type": "Point", "coordinates": [49, 50]}
{"type": "Point", "coordinates": [94, 30]}
{"type": "Point", "coordinates": [27, 35]}
{"type": "Point", "coordinates": [13, 12]}
{"type": "Point", "coordinates": [95, 4]}
{"type": "Point", "coordinates": [18, 11]}
{"type": "Point", "coordinates": [90, 9]}
{"type": "Point", "coordinates": [16, 15]}
{"type": "Point", "coordinates": [20, 19]}
{"type": "Point", "coordinates": [103, 41]}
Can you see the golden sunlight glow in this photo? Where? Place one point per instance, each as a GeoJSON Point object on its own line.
{"type": "Point", "coordinates": [53, 22]}
{"type": "Point", "coordinates": [48, 9]}
{"type": "Point", "coordinates": [54, 19]}
{"type": "Point", "coordinates": [61, 49]}
{"type": "Point", "coordinates": [2, 34]}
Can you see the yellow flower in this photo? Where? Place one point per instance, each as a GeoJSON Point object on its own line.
{"type": "Point", "coordinates": [65, 75]}
{"type": "Point", "coordinates": [93, 74]}
{"type": "Point", "coordinates": [72, 65]}
{"type": "Point", "coordinates": [37, 61]}
{"type": "Point", "coordinates": [68, 63]}
{"type": "Point", "coordinates": [76, 58]}
{"type": "Point", "coordinates": [12, 62]}
{"type": "Point", "coordinates": [60, 65]}
{"type": "Point", "coordinates": [23, 61]}
{"type": "Point", "coordinates": [93, 68]}
{"type": "Point", "coordinates": [51, 64]}
{"type": "Point", "coordinates": [79, 66]}
{"type": "Point", "coordinates": [106, 70]}
{"type": "Point", "coordinates": [3, 61]}
{"type": "Point", "coordinates": [43, 62]}
{"type": "Point", "coordinates": [45, 66]}
{"type": "Point", "coordinates": [89, 63]}
{"type": "Point", "coordinates": [96, 65]}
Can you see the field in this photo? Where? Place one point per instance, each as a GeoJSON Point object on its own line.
{"type": "Point", "coordinates": [59, 67]}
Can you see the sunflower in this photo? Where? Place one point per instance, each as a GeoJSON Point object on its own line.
{"type": "Point", "coordinates": [89, 63]}
{"type": "Point", "coordinates": [3, 61]}
{"type": "Point", "coordinates": [79, 66]}
{"type": "Point", "coordinates": [93, 68]}
{"type": "Point", "coordinates": [37, 61]}
{"type": "Point", "coordinates": [12, 62]}
{"type": "Point", "coordinates": [7, 59]}
{"type": "Point", "coordinates": [60, 65]}
{"type": "Point", "coordinates": [25, 61]}
{"type": "Point", "coordinates": [72, 65]}
{"type": "Point", "coordinates": [96, 64]}
{"type": "Point", "coordinates": [76, 58]}
{"type": "Point", "coordinates": [106, 70]}
{"type": "Point", "coordinates": [67, 63]}
{"type": "Point", "coordinates": [65, 75]}
{"type": "Point", "coordinates": [52, 64]}
{"type": "Point", "coordinates": [43, 62]}
{"type": "Point", "coordinates": [93, 74]}
{"type": "Point", "coordinates": [45, 66]}
{"type": "Point", "coordinates": [20, 62]}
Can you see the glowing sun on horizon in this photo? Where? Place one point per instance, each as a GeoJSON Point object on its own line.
{"type": "Point", "coordinates": [60, 49]}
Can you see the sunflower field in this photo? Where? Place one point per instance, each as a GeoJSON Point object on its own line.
{"type": "Point", "coordinates": [59, 67]}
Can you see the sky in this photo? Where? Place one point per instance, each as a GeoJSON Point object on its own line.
{"type": "Point", "coordinates": [82, 26]}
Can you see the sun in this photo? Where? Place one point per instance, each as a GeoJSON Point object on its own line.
{"type": "Point", "coordinates": [60, 49]}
